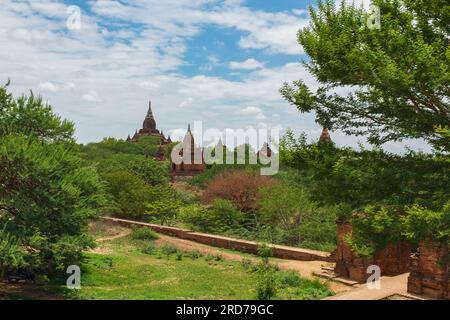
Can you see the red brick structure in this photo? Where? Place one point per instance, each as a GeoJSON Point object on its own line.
{"type": "Point", "coordinates": [430, 271]}
{"type": "Point", "coordinates": [265, 151]}
{"type": "Point", "coordinates": [186, 159]}
{"type": "Point", "coordinates": [149, 128]}
{"type": "Point", "coordinates": [392, 260]}
{"type": "Point", "coordinates": [325, 136]}
{"type": "Point", "coordinates": [282, 252]}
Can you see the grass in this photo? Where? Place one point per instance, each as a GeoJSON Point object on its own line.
{"type": "Point", "coordinates": [137, 269]}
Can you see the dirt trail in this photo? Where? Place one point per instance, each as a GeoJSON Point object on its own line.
{"type": "Point", "coordinates": [304, 268]}
{"type": "Point", "coordinates": [122, 234]}
{"type": "Point", "coordinates": [25, 291]}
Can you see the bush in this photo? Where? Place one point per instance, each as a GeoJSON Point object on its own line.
{"type": "Point", "coordinates": [247, 264]}
{"type": "Point", "coordinates": [266, 288]}
{"type": "Point", "coordinates": [290, 278]}
{"type": "Point", "coordinates": [286, 211]}
{"type": "Point", "coordinates": [194, 254]}
{"type": "Point", "coordinates": [239, 187]}
{"type": "Point", "coordinates": [419, 224]}
{"type": "Point", "coordinates": [130, 193]}
{"type": "Point", "coordinates": [219, 217]}
{"type": "Point", "coordinates": [169, 249]}
{"type": "Point", "coordinates": [163, 204]}
{"type": "Point", "coordinates": [144, 233]}
{"type": "Point", "coordinates": [149, 248]}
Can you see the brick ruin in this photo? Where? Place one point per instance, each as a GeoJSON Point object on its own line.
{"type": "Point", "coordinates": [190, 160]}
{"type": "Point", "coordinates": [392, 260]}
{"type": "Point", "coordinates": [149, 129]}
{"type": "Point", "coordinates": [430, 271]}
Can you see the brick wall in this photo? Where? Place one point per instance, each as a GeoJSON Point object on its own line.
{"type": "Point", "coordinates": [278, 251]}
{"type": "Point", "coordinates": [392, 260]}
{"type": "Point", "coordinates": [430, 271]}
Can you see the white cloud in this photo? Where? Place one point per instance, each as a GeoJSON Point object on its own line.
{"type": "Point", "coordinates": [119, 66]}
{"type": "Point", "coordinates": [91, 96]}
{"type": "Point", "coordinates": [53, 87]}
{"type": "Point", "coordinates": [186, 102]}
{"type": "Point", "coordinates": [248, 64]}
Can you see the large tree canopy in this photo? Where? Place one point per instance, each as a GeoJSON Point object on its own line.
{"type": "Point", "coordinates": [397, 75]}
{"type": "Point", "coordinates": [46, 194]}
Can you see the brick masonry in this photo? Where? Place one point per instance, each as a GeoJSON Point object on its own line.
{"type": "Point", "coordinates": [430, 271]}
{"type": "Point", "coordinates": [278, 251]}
{"type": "Point", "coordinates": [392, 260]}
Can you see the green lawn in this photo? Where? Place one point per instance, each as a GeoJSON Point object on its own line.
{"type": "Point", "coordinates": [123, 271]}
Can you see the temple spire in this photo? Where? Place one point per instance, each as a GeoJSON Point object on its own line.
{"type": "Point", "coordinates": [149, 112]}
{"type": "Point", "coordinates": [325, 136]}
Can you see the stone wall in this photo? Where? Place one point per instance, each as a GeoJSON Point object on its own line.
{"type": "Point", "coordinates": [278, 251]}
{"type": "Point", "coordinates": [430, 271]}
{"type": "Point", "coordinates": [393, 260]}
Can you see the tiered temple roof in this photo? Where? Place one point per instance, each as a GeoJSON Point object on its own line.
{"type": "Point", "coordinates": [149, 128]}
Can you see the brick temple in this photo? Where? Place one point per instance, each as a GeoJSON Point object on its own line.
{"type": "Point", "coordinates": [149, 129]}
{"type": "Point", "coordinates": [190, 160]}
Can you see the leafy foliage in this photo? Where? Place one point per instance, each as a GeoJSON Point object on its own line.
{"type": "Point", "coordinates": [46, 195]}
{"type": "Point", "coordinates": [400, 71]}
{"type": "Point", "coordinates": [220, 217]}
{"type": "Point", "coordinates": [163, 204]}
{"type": "Point", "coordinates": [129, 193]}
{"type": "Point", "coordinates": [144, 234]}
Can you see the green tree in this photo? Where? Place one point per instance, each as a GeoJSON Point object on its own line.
{"type": "Point", "coordinates": [163, 204]}
{"type": "Point", "coordinates": [130, 193]}
{"type": "Point", "coordinates": [399, 73]}
{"type": "Point", "coordinates": [46, 195]}
{"type": "Point", "coordinates": [29, 116]}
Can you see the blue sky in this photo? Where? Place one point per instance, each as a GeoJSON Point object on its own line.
{"type": "Point", "coordinates": [221, 62]}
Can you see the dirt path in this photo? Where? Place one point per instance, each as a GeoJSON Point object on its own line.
{"type": "Point", "coordinates": [389, 286]}
{"type": "Point", "coordinates": [25, 291]}
{"type": "Point", "coordinates": [122, 234]}
{"type": "Point", "coordinates": [305, 268]}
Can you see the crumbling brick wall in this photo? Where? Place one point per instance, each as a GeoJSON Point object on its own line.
{"type": "Point", "coordinates": [278, 251]}
{"type": "Point", "coordinates": [430, 271]}
{"type": "Point", "coordinates": [392, 260]}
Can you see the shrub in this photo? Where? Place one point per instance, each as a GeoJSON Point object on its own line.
{"type": "Point", "coordinates": [290, 278]}
{"type": "Point", "coordinates": [419, 224]}
{"type": "Point", "coordinates": [374, 228]}
{"type": "Point", "coordinates": [287, 211]}
{"type": "Point", "coordinates": [169, 249]}
{"type": "Point", "coordinates": [194, 254]}
{"type": "Point", "coordinates": [265, 252]}
{"type": "Point", "coordinates": [239, 187]}
{"type": "Point", "coordinates": [266, 288]}
{"type": "Point", "coordinates": [247, 263]}
{"type": "Point", "coordinates": [163, 204]}
{"type": "Point", "coordinates": [206, 176]}
{"type": "Point", "coordinates": [144, 233]}
{"type": "Point", "coordinates": [219, 217]}
{"type": "Point", "coordinates": [149, 248]}
{"type": "Point", "coordinates": [130, 193]}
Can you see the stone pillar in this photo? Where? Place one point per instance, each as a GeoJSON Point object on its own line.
{"type": "Point", "coordinates": [392, 260]}
{"type": "Point", "coordinates": [430, 271]}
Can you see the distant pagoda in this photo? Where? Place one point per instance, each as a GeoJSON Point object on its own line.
{"type": "Point", "coordinates": [325, 136]}
{"type": "Point", "coordinates": [149, 128]}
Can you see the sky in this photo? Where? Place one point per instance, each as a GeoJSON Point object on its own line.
{"type": "Point", "coordinates": [219, 62]}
